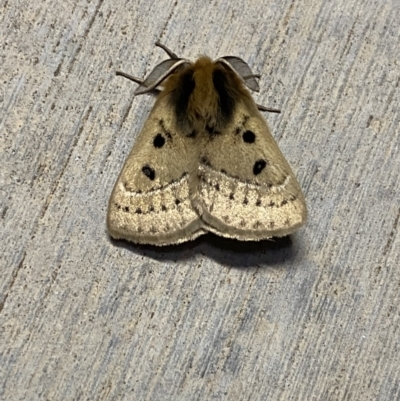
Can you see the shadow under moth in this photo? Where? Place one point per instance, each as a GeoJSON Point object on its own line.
{"type": "Point", "coordinates": [205, 161]}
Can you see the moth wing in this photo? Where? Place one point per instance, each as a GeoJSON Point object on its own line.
{"type": "Point", "coordinates": [247, 189]}
{"type": "Point", "coordinates": [150, 202]}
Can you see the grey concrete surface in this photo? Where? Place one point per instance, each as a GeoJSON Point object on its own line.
{"type": "Point", "coordinates": [311, 317]}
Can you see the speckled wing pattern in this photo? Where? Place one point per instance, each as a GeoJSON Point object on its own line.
{"type": "Point", "coordinates": [247, 189]}
{"type": "Point", "coordinates": [151, 201]}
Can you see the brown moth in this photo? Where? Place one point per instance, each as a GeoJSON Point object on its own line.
{"type": "Point", "coordinates": [205, 161]}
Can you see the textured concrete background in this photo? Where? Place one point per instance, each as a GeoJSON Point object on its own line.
{"type": "Point", "coordinates": [313, 317]}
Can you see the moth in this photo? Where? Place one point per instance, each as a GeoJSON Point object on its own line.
{"type": "Point", "coordinates": [205, 161]}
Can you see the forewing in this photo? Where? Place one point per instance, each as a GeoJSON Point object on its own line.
{"type": "Point", "coordinates": [151, 202]}
{"type": "Point", "coordinates": [247, 189]}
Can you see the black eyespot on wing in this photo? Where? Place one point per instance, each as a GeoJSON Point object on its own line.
{"type": "Point", "coordinates": [149, 172]}
{"type": "Point", "coordinates": [226, 97]}
{"type": "Point", "coordinates": [158, 141]}
{"type": "Point", "coordinates": [231, 196]}
{"type": "Point", "coordinates": [249, 136]}
{"type": "Point", "coordinates": [245, 201]}
{"type": "Point", "coordinates": [258, 203]}
{"type": "Point", "coordinates": [138, 211]}
{"type": "Point", "coordinates": [181, 94]}
{"type": "Point", "coordinates": [259, 166]}
{"type": "Point", "coordinates": [177, 202]}
{"type": "Point", "coordinates": [126, 209]}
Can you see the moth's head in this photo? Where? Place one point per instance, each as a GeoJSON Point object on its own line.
{"type": "Point", "coordinates": [204, 94]}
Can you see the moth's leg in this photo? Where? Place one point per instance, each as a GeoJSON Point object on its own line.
{"type": "Point", "coordinates": [259, 106]}
{"type": "Point", "coordinates": [170, 53]}
{"type": "Point", "coordinates": [269, 109]}
{"type": "Point", "coordinates": [131, 77]}
{"type": "Point", "coordinates": [135, 79]}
